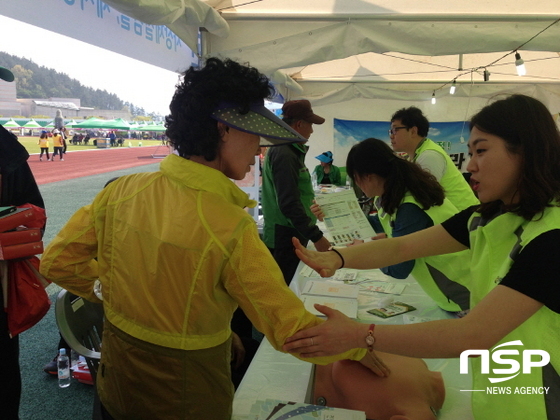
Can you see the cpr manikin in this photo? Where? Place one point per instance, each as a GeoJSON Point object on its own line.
{"type": "Point", "coordinates": [410, 392]}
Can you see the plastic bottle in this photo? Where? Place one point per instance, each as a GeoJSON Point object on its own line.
{"type": "Point", "coordinates": [314, 180]}
{"type": "Point", "coordinates": [63, 369]}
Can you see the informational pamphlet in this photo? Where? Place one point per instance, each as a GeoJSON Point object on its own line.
{"type": "Point", "coordinates": [331, 289]}
{"type": "Point", "coordinates": [348, 307]}
{"type": "Point", "coordinates": [270, 409]}
{"type": "Point", "coordinates": [389, 288]}
{"type": "Point", "coordinates": [395, 308]}
{"type": "Point", "coordinates": [344, 219]}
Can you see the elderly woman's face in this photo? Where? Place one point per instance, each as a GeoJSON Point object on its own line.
{"type": "Point", "coordinates": [238, 152]}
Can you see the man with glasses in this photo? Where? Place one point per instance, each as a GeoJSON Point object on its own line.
{"type": "Point", "coordinates": [409, 134]}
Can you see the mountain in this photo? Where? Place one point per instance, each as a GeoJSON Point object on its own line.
{"type": "Point", "coordinates": [40, 82]}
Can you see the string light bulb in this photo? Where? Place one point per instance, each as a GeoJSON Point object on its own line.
{"type": "Point", "coordinates": [434, 97]}
{"type": "Point", "coordinates": [452, 88]}
{"type": "Point", "coordinates": [520, 65]}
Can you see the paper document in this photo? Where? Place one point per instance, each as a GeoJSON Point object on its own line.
{"type": "Point", "coordinates": [344, 219]}
{"type": "Point", "coordinates": [390, 288]}
{"type": "Point", "coordinates": [348, 307]}
{"type": "Point", "coordinates": [327, 288]}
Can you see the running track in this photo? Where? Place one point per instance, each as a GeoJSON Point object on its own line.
{"type": "Point", "coordinates": [83, 163]}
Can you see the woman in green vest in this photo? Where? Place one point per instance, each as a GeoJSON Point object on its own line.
{"type": "Point", "coordinates": [513, 238]}
{"type": "Point", "coordinates": [409, 199]}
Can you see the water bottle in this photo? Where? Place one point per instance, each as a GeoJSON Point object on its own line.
{"type": "Point", "coordinates": [63, 369]}
{"type": "Point", "coordinates": [314, 180]}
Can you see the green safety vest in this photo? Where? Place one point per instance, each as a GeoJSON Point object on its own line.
{"type": "Point", "coordinates": [457, 190]}
{"type": "Point", "coordinates": [443, 277]}
{"type": "Point", "coordinates": [494, 246]}
{"type": "Point", "coordinates": [271, 211]}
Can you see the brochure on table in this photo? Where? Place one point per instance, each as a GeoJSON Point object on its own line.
{"type": "Point", "coordinates": [344, 219]}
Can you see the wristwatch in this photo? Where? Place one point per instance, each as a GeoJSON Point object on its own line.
{"type": "Point", "coordinates": [370, 339]}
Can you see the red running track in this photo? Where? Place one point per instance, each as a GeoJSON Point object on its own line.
{"type": "Point", "coordinates": [82, 163]}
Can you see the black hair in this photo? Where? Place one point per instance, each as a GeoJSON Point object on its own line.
{"type": "Point", "coordinates": [190, 126]}
{"type": "Point", "coordinates": [528, 129]}
{"type": "Point", "coordinates": [373, 156]}
{"type": "Point", "coordinates": [413, 117]}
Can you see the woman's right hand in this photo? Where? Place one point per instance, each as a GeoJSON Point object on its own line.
{"type": "Point", "coordinates": [324, 263]}
{"type": "Point", "coordinates": [316, 210]}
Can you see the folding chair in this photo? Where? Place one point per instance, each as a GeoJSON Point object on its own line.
{"type": "Point", "coordinates": [80, 323]}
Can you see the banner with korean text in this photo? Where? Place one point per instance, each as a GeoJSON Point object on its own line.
{"type": "Point", "coordinates": [451, 136]}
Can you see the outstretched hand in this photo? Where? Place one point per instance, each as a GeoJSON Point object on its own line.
{"type": "Point", "coordinates": [334, 336]}
{"type": "Point", "coordinates": [337, 335]}
{"type": "Point", "coordinates": [324, 263]}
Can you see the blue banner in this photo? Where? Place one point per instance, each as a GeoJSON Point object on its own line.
{"type": "Point", "coordinates": [451, 136]}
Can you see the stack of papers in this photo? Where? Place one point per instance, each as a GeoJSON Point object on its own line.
{"type": "Point", "coordinates": [342, 297]}
{"type": "Point", "coordinates": [279, 410]}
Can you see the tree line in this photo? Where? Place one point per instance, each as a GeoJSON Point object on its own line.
{"type": "Point", "coordinates": [40, 82]}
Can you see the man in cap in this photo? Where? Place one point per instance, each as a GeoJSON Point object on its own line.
{"type": "Point", "coordinates": [287, 192]}
{"type": "Point", "coordinates": [17, 187]}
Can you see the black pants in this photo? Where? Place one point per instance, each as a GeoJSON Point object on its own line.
{"type": "Point", "coordinates": [44, 150]}
{"type": "Point", "coordinates": [283, 251]}
{"type": "Point", "coordinates": [10, 377]}
{"type": "Point", "coordinates": [57, 151]}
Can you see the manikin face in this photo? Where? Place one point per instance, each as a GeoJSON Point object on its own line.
{"type": "Point", "coordinates": [401, 137]}
{"type": "Point", "coordinates": [238, 152]}
{"type": "Point", "coordinates": [495, 171]}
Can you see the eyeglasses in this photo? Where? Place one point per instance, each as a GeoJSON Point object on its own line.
{"type": "Point", "coordinates": [394, 130]}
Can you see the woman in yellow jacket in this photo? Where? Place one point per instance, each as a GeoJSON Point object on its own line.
{"type": "Point", "coordinates": [58, 144]}
{"type": "Point", "coordinates": [176, 253]}
{"type": "Point", "coordinates": [44, 144]}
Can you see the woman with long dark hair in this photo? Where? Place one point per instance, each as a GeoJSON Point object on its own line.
{"type": "Point", "coordinates": [513, 239]}
{"type": "Point", "coordinates": [409, 199]}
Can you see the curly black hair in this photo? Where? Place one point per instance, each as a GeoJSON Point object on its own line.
{"type": "Point", "coordinates": [190, 126]}
{"type": "Point", "coordinates": [374, 156]}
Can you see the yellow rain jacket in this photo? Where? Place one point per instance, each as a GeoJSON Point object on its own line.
{"type": "Point", "coordinates": [176, 254]}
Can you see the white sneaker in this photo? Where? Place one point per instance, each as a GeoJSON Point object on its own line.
{"type": "Point", "coordinates": [61, 159]}
{"type": "Point", "coordinates": [41, 159]}
{"type": "Point", "coordinates": [50, 159]}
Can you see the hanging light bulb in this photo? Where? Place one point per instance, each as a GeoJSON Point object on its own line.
{"type": "Point", "coordinates": [433, 98]}
{"type": "Point", "coordinates": [520, 65]}
{"type": "Point", "coordinates": [452, 88]}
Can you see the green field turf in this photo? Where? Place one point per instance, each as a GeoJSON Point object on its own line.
{"type": "Point", "coordinates": [30, 144]}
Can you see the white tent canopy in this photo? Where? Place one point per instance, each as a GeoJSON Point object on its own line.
{"type": "Point", "coordinates": [370, 41]}
{"type": "Point", "coordinates": [363, 59]}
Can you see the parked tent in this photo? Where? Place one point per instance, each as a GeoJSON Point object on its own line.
{"type": "Point", "coordinates": [96, 123]}
{"type": "Point", "coordinates": [32, 124]}
{"type": "Point", "coordinates": [11, 123]}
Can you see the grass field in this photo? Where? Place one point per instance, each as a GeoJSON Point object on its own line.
{"type": "Point", "coordinates": [30, 144]}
